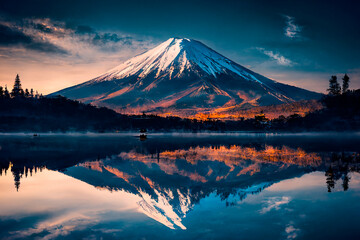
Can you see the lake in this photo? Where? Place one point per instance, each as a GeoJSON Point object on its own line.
{"type": "Point", "coordinates": [180, 186]}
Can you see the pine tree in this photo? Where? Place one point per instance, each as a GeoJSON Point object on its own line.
{"type": "Point", "coordinates": [345, 86]}
{"type": "Point", "coordinates": [31, 93]}
{"type": "Point", "coordinates": [346, 181]}
{"type": "Point", "coordinates": [330, 180]}
{"type": "Point", "coordinates": [334, 86]}
{"type": "Point", "coordinates": [17, 90]}
{"type": "Point", "coordinates": [1, 92]}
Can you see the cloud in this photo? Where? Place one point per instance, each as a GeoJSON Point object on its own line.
{"type": "Point", "coordinates": [10, 36]}
{"type": "Point", "coordinates": [292, 30]}
{"type": "Point", "coordinates": [281, 60]}
{"type": "Point", "coordinates": [274, 203]}
{"type": "Point", "coordinates": [110, 37]}
{"type": "Point", "coordinates": [57, 37]}
{"type": "Point", "coordinates": [87, 33]}
{"type": "Point", "coordinates": [43, 28]}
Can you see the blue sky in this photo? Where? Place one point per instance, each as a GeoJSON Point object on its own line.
{"type": "Point", "coordinates": [55, 44]}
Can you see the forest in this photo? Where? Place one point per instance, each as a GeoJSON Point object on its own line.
{"type": "Point", "coordinates": [26, 111]}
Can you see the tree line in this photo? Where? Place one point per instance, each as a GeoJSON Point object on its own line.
{"type": "Point", "coordinates": [33, 112]}
{"type": "Point", "coordinates": [17, 91]}
{"type": "Point", "coordinates": [335, 88]}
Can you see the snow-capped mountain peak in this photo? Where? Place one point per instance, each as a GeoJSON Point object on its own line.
{"type": "Point", "coordinates": [179, 54]}
{"type": "Point", "coordinates": [182, 77]}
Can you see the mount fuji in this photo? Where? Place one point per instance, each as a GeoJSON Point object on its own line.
{"type": "Point", "coordinates": [182, 77]}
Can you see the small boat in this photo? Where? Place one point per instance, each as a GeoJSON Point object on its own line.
{"type": "Point", "coordinates": [143, 137]}
{"type": "Point", "coordinates": [35, 135]}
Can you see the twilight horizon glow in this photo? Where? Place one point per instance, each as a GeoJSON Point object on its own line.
{"type": "Point", "coordinates": [57, 45]}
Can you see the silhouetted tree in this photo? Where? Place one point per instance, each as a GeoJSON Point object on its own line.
{"type": "Point", "coordinates": [334, 86]}
{"type": "Point", "coordinates": [346, 181]}
{"type": "Point", "coordinates": [31, 93]}
{"type": "Point", "coordinates": [6, 93]}
{"type": "Point", "coordinates": [330, 181]}
{"type": "Point", "coordinates": [345, 85]}
{"type": "Point", "coordinates": [27, 94]}
{"type": "Point", "coordinates": [17, 176]}
{"type": "Point", "coordinates": [1, 92]}
{"type": "Point", "coordinates": [17, 90]}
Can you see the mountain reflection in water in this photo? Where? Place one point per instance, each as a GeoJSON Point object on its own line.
{"type": "Point", "coordinates": [169, 180]}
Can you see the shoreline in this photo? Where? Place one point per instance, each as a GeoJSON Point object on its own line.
{"type": "Point", "coordinates": [180, 133]}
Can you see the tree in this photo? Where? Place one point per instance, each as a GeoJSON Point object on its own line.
{"type": "Point", "coordinates": [6, 92]}
{"type": "Point", "coordinates": [346, 181]}
{"type": "Point", "coordinates": [345, 86]}
{"type": "Point", "coordinates": [21, 93]}
{"type": "Point", "coordinates": [330, 181]}
{"type": "Point", "coordinates": [1, 92]}
{"type": "Point", "coordinates": [36, 95]}
{"type": "Point", "coordinates": [31, 93]}
{"type": "Point", "coordinates": [17, 90]}
{"type": "Point", "coordinates": [27, 94]}
{"type": "Point", "coordinates": [334, 86]}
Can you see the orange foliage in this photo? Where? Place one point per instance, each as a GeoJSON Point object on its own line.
{"type": "Point", "coordinates": [237, 112]}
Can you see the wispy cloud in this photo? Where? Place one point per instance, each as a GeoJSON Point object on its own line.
{"type": "Point", "coordinates": [274, 203]}
{"type": "Point", "coordinates": [281, 60]}
{"type": "Point", "coordinates": [292, 30]}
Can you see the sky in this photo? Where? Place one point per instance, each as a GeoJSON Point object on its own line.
{"type": "Point", "coordinates": [56, 44]}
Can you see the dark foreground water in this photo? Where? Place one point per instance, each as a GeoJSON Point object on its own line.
{"type": "Point", "coordinates": [182, 186]}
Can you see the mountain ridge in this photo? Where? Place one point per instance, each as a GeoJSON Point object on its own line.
{"type": "Point", "coordinates": [182, 74]}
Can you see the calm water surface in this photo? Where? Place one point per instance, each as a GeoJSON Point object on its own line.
{"type": "Point", "coordinates": [180, 186]}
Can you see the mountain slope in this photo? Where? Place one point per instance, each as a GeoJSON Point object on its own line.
{"type": "Point", "coordinates": [182, 76]}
